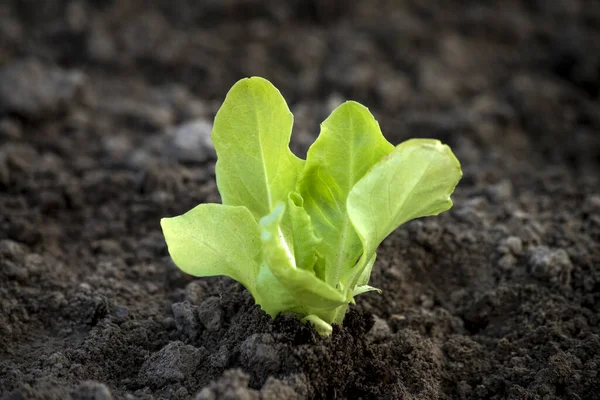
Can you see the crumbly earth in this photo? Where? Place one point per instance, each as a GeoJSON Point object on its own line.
{"type": "Point", "coordinates": [105, 114]}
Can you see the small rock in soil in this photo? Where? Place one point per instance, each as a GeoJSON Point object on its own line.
{"type": "Point", "coordinates": [57, 362]}
{"type": "Point", "coordinates": [191, 141]}
{"type": "Point", "coordinates": [119, 314]}
{"type": "Point", "coordinates": [186, 318]}
{"type": "Point", "coordinates": [86, 306]}
{"type": "Point", "coordinates": [220, 359]}
{"type": "Point", "coordinates": [11, 249]}
{"type": "Point", "coordinates": [233, 385]}
{"type": "Point", "coordinates": [195, 291]}
{"type": "Point", "coordinates": [91, 391]}
{"type": "Point", "coordinates": [553, 265]}
{"type": "Point", "coordinates": [507, 262]}
{"type": "Point", "coordinates": [501, 191]}
{"type": "Point", "coordinates": [210, 314]}
{"type": "Point", "coordinates": [173, 363]}
{"type": "Point", "coordinates": [380, 330]}
{"type": "Point", "coordinates": [187, 143]}
{"type": "Point", "coordinates": [259, 353]}
{"type": "Point", "coordinates": [592, 204]}
{"type": "Point", "coordinates": [274, 389]}
{"type": "Point", "coordinates": [510, 245]}
{"type": "Point", "coordinates": [34, 90]}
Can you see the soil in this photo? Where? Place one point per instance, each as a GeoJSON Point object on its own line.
{"type": "Point", "coordinates": [105, 112]}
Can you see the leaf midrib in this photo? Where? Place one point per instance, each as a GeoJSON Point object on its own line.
{"type": "Point", "coordinates": [339, 261]}
{"type": "Point", "coordinates": [260, 145]}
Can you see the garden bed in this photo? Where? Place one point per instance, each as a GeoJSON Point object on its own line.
{"type": "Point", "coordinates": [105, 114]}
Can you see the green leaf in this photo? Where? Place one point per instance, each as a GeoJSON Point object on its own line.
{"type": "Point", "coordinates": [214, 239]}
{"type": "Point", "coordinates": [251, 135]}
{"type": "Point", "coordinates": [360, 289]}
{"type": "Point", "coordinates": [303, 238]}
{"type": "Point", "coordinates": [311, 295]}
{"type": "Point", "coordinates": [415, 180]}
{"type": "Point", "coordinates": [365, 276]}
{"type": "Point", "coordinates": [361, 283]}
{"type": "Point", "coordinates": [349, 144]}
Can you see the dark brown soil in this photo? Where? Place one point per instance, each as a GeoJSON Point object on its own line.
{"type": "Point", "coordinates": [105, 111]}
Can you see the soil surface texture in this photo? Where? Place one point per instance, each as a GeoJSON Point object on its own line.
{"type": "Point", "coordinates": [106, 108]}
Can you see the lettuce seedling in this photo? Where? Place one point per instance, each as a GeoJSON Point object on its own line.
{"type": "Point", "coordinates": [301, 235]}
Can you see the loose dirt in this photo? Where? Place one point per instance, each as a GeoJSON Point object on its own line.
{"type": "Point", "coordinates": [105, 114]}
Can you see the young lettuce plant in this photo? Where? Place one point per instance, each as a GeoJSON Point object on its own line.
{"type": "Point", "coordinates": [301, 235]}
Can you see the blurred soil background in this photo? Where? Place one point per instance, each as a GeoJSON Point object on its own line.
{"type": "Point", "coordinates": [106, 109]}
